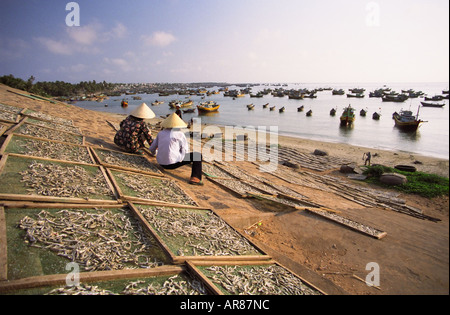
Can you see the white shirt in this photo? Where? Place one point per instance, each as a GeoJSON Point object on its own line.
{"type": "Point", "coordinates": [172, 146]}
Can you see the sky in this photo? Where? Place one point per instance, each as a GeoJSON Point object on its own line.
{"type": "Point", "coordinates": [234, 41]}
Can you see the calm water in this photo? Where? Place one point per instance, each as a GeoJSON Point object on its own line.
{"type": "Point", "coordinates": [432, 138]}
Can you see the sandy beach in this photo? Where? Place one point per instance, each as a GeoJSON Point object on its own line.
{"type": "Point", "coordinates": [413, 257]}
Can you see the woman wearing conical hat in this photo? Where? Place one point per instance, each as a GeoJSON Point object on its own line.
{"type": "Point", "coordinates": [134, 131]}
{"type": "Point", "coordinates": [173, 149]}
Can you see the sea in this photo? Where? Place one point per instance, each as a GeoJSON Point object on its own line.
{"type": "Point", "coordinates": [431, 139]}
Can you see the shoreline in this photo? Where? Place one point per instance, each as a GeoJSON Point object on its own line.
{"type": "Point", "coordinates": [96, 129]}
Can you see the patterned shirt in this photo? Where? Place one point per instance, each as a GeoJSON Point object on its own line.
{"type": "Point", "coordinates": [132, 134]}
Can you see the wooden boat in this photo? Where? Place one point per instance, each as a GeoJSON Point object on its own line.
{"type": "Point", "coordinates": [357, 95]}
{"type": "Point", "coordinates": [338, 92]}
{"type": "Point", "coordinates": [301, 108]}
{"type": "Point", "coordinates": [333, 112]}
{"type": "Point", "coordinates": [357, 90]}
{"type": "Point", "coordinates": [348, 116]}
{"type": "Point", "coordinates": [124, 103]}
{"type": "Point", "coordinates": [208, 107]}
{"type": "Point", "coordinates": [363, 113]}
{"type": "Point", "coordinates": [434, 98]}
{"type": "Point", "coordinates": [405, 120]}
{"type": "Point", "coordinates": [190, 110]}
{"type": "Point", "coordinates": [282, 109]}
{"type": "Point", "coordinates": [428, 104]}
{"type": "Point", "coordinates": [395, 98]}
{"type": "Point", "coordinates": [309, 113]}
{"type": "Point", "coordinates": [376, 116]}
{"type": "Point", "coordinates": [173, 104]}
{"type": "Point", "coordinates": [156, 103]}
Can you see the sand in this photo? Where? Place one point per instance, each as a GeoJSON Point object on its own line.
{"type": "Point", "coordinates": [413, 258]}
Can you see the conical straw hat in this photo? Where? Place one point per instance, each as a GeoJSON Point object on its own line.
{"type": "Point", "coordinates": [143, 111]}
{"type": "Point", "coordinates": [173, 121]}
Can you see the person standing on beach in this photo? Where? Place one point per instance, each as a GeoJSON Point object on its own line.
{"type": "Point", "coordinates": [134, 131]}
{"type": "Point", "coordinates": [173, 149]}
{"type": "Point", "coordinates": [367, 157]}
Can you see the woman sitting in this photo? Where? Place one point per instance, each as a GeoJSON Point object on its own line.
{"type": "Point", "coordinates": [134, 131]}
{"type": "Point", "coordinates": [173, 149]}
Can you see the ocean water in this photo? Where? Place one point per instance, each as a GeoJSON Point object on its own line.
{"type": "Point", "coordinates": [431, 139]}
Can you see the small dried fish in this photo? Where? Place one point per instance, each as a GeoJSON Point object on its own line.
{"type": "Point", "coordinates": [95, 240]}
{"type": "Point", "coordinates": [50, 179]}
{"type": "Point", "coordinates": [258, 280]}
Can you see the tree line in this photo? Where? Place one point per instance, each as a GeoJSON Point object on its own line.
{"type": "Point", "coordinates": [57, 88]}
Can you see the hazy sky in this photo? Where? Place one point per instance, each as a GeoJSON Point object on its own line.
{"type": "Point", "coordinates": [226, 40]}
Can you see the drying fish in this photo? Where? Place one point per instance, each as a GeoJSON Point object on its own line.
{"type": "Point", "coordinates": [52, 150]}
{"type": "Point", "coordinates": [49, 179]}
{"type": "Point", "coordinates": [127, 160]}
{"type": "Point", "coordinates": [258, 280]}
{"type": "Point", "coordinates": [203, 233]}
{"type": "Point", "coordinates": [95, 240]}
{"type": "Point", "coordinates": [155, 189]}
{"type": "Point", "coordinates": [46, 133]}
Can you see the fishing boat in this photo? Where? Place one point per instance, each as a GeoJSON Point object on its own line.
{"type": "Point", "coordinates": [376, 116]}
{"type": "Point", "coordinates": [428, 104]}
{"type": "Point", "coordinates": [309, 113]}
{"type": "Point", "coordinates": [272, 108]}
{"type": "Point", "coordinates": [357, 95]}
{"type": "Point", "coordinates": [124, 103]}
{"type": "Point", "coordinates": [265, 105]}
{"type": "Point", "coordinates": [282, 109]}
{"type": "Point", "coordinates": [338, 92]}
{"type": "Point", "coordinates": [208, 107]}
{"type": "Point", "coordinates": [434, 98]}
{"type": "Point", "coordinates": [301, 108]}
{"type": "Point", "coordinates": [395, 98]}
{"type": "Point", "coordinates": [333, 112]}
{"type": "Point", "coordinates": [174, 104]}
{"type": "Point", "coordinates": [189, 110]}
{"type": "Point", "coordinates": [156, 103]}
{"type": "Point", "coordinates": [250, 106]}
{"type": "Point", "coordinates": [348, 116]}
{"type": "Point", "coordinates": [363, 113]}
{"type": "Point", "coordinates": [405, 120]}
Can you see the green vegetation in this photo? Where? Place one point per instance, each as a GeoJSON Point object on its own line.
{"type": "Point", "coordinates": [423, 184]}
{"type": "Point", "coordinates": [58, 88]}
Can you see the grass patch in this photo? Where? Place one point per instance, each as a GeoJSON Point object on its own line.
{"type": "Point", "coordinates": [422, 184]}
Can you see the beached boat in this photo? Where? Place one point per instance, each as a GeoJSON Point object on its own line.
{"type": "Point", "coordinates": [208, 107]}
{"type": "Point", "coordinates": [348, 116]}
{"type": "Point", "coordinates": [428, 104]}
{"type": "Point", "coordinates": [405, 120]}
